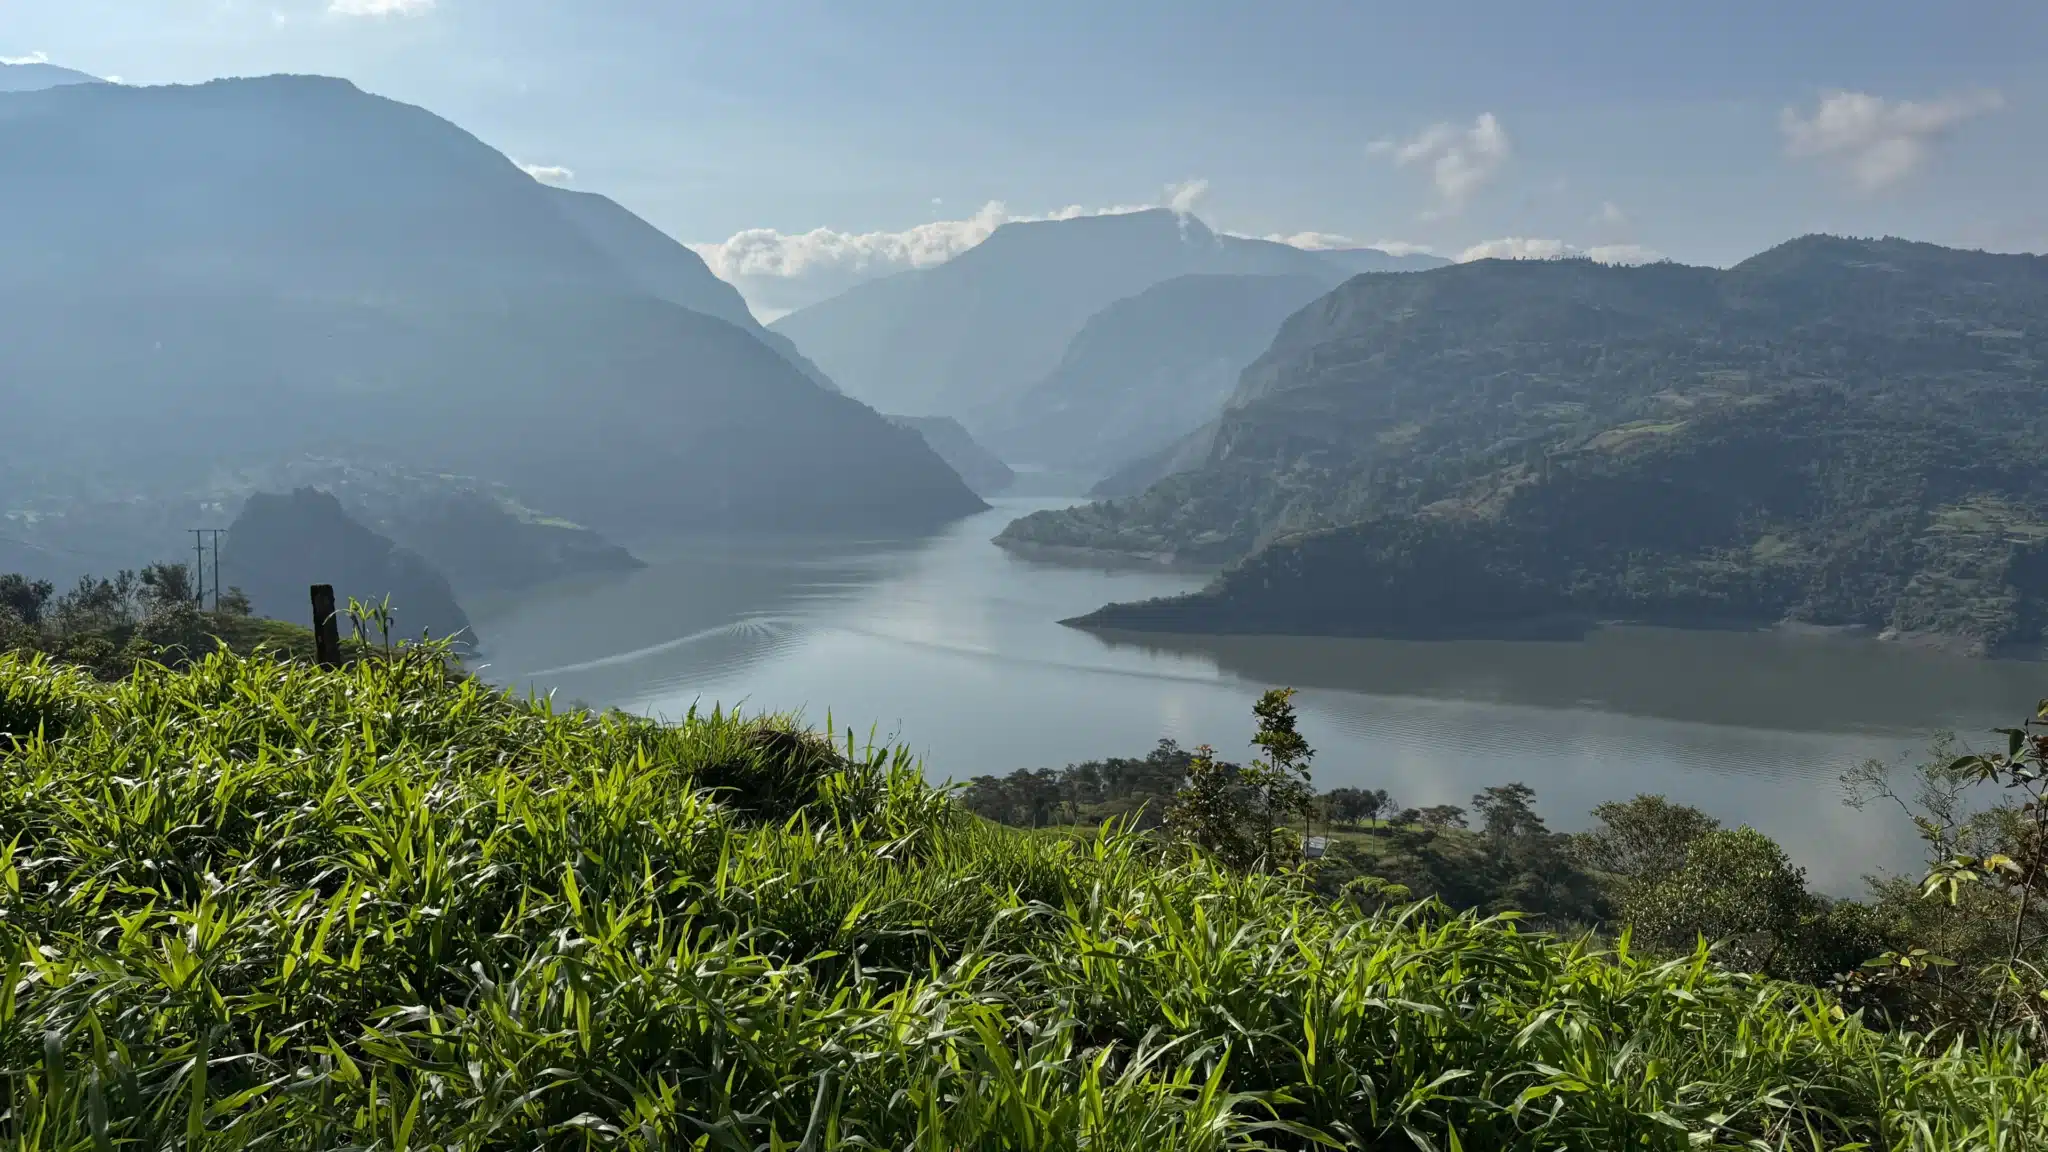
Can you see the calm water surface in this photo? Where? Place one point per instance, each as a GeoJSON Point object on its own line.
{"type": "Point", "coordinates": [953, 647]}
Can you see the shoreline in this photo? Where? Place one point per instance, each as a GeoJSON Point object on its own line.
{"type": "Point", "coordinates": [1132, 619]}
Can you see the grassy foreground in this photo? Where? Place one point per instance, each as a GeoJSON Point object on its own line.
{"type": "Point", "coordinates": [256, 905]}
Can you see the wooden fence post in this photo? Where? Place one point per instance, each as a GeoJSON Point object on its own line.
{"type": "Point", "coordinates": [326, 627]}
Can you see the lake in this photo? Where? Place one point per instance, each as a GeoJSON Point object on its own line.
{"type": "Point", "coordinates": [952, 646]}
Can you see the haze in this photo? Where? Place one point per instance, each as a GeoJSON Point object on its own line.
{"type": "Point", "coordinates": [803, 146]}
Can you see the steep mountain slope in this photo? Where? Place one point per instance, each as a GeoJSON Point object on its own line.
{"type": "Point", "coordinates": [1813, 506]}
{"type": "Point", "coordinates": [668, 270]}
{"type": "Point", "coordinates": [251, 270]}
{"type": "Point", "coordinates": [1148, 369]}
{"type": "Point", "coordinates": [36, 77]}
{"type": "Point", "coordinates": [959, 338]}
{"type": "Point", "coordinates": [1478, 393]}
{"type": "Point", "coordinates": [281, 545]}
{"type": "Point", "coordinates": [981, 468]}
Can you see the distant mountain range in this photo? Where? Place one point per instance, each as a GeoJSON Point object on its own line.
{"type": "Point", "coordinates": [1835, 432]}
{"type": "Point", "coordinates": [36, 77]}
{"type": "Point", "coordinates": [964, 338]}
{"type": "Point", "coordinates": [255, 269]}
{"type": "Point", "coordinates": [1147, 370]}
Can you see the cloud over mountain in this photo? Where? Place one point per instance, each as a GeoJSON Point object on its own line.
{"type": "Point", "coordinates": [549, 173]}
{"type": "Point", "coordinates": [780, 272]}
{"type": "Point", "coordinates": [1460, 161]}
{"type": "Point", "coordinates": [1875, 141]}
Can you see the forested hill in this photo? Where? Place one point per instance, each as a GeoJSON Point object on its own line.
{"type": "Point", "coordinates": [1483, 392]}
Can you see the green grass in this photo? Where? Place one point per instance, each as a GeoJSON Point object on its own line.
{"type": "Point", "coordinates": [257, 905]}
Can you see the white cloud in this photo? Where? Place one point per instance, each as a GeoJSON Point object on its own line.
{"type": "Point", "coordinates": [1611, 215]}
{"type": "Point", "coordinates": [1623, 254]}
{"type": "Point", "coordinates": [1544, 248]}
{"type": "Point", "coordinates": [1878, 142]}
{"type": "Point", "coordinates": [1313, 241]}
{"type": "Point", "coordinates": [1460, 161]}
{"type": "Point", "coordinates": [37, 57]}
{"type": "Point", "coordinates": [1326, 241]}
{"type": "Point", "coordinates": [1184, 196]}
{"type": "Point", "coordinates": [549, 173]}
{"type": "Point", "coordinates": [378, 7]}
{"type": "Point", "coordinates": [1515, 248]}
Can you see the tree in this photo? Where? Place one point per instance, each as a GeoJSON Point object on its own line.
{"type": "Point", "coordinates": [1508, 813]}
{"type": "Point", "coordinates": [1641, 839]}
{"type": "Point", "coordinates": [17, 634]}
{"type": "Point", "coordinates": [1437, 816]}
{"type": "Point", "coordinates": [1243, 816]}
{"type": "Point", "coordinates": [1975, 950]}
{"type": "Point", "coordinates": [1356, 805]}
{"type": "Point", "coordinates": [167, 584]}
{"type": "Point", "coordinates": [1215, 812]}
{"type": "Point", "coordinates": [1282, 778]}
{"type": "Point", "coordinates": [235, 602]}
{"type": "Point", "coordinates": [1736, 888]}
{"type": "Point", "coordinates": [26, 597]}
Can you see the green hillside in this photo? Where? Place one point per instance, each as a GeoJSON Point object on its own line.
{"type": "Point", "coordinates": [1834, 430]}
{"type": "Point", "coordinates": [253, 904]}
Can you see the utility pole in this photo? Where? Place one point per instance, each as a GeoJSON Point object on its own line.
{"type": "Point", "coordinates": [198, 568]}
{"type": "Point", "coordinates": [199, 541]}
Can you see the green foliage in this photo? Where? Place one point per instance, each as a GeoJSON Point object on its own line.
{"type": "Point", "coordinates": [1138, 789]}
{"type": "Point", "coordinates": [111, 626]}
{"type": "Point", "coordinates": [1242, 816]}
{"type": "Point", "coordinates": [1357, 805]}
{"type": "Point", "coordinates": [1975, 930]}
{"type": "Point", "coordinates": [1736, 886]}
{"type": "Point", "coordinates": [1645, 839]}
{"type": "Point", "coordinates": [252, 904]}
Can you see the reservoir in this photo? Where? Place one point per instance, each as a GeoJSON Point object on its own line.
{"type": "Point", "coordinates": [953, 647]}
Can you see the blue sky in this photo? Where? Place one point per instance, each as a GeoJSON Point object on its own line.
{"type": "Point", "coordinates": [804, 145]}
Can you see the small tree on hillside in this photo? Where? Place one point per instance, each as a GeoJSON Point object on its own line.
{"type": "Point", "coordinates": [1217, 813]}
{"type": "Point", "coordinates": [1357, 805]}
{"type": "Point", "coordinates": [1245, 816]}
{"type": "Point", "coordinates": [1643, 839]}
{"type": "Point", "coordinates": [1736, 888]}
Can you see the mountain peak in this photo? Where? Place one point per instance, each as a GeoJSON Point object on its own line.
{"type": "Point", "coordinates": [35, 76]}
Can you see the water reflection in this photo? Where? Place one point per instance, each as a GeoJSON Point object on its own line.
{"type": "Point", "coordinates": [951, 645]}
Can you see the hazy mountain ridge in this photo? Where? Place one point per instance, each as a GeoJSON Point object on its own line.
{"type": "Point", "coordinates": [1148, 369]}
{"type": "Point", "coordinates": [965, 336]}
{"type": "Point", "coordinates": [1398, 396]}
{"type": "Point", "coordinates": [670, 271]}
{"type": "Point", "coordinates": [34, 77]}
{"type": "Point", "coordinates": [983, 470]}
{"type": "Point", "coordinates": [246, 271]}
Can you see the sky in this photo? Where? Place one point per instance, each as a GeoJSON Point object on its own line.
{"type": "Point", "coordinates": [802, 146]}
